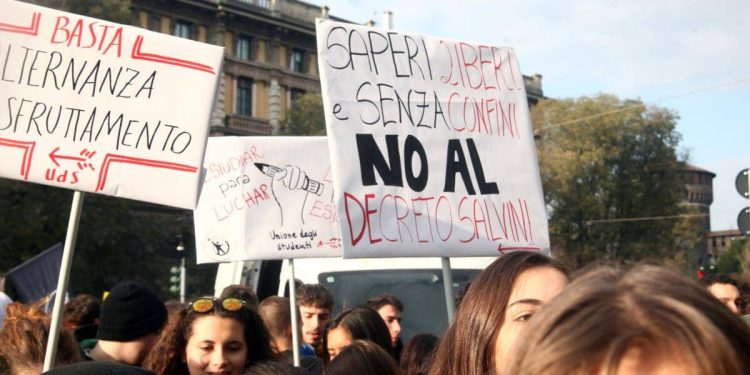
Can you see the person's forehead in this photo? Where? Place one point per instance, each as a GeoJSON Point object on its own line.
{"type": "Point", "coordinates": [540, 283]}
{"type": "Point", "coordinates": [723, 289]}
{"type": "Point", "coordinates": [215, 328]}
{"type": "Point", "coordinates": [388, 310]}
{"type": "Point", "coordinates": [309, 309]}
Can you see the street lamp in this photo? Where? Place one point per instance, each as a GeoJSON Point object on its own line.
{"type": "Point", "coordinates": [181, 252]}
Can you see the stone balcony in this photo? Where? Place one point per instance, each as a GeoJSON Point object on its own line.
{"type": "Point", "coordinates": [244, 125]}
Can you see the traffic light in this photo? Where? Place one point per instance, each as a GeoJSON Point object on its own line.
{"type": "Point", "coordinates": [174, 279]}
{"type": "Point", "coordinates": [742, 183]}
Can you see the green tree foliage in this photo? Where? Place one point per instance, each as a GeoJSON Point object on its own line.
{"type": "Point", "coordinates": [597, 170]}
{"type": "Point", "coordinates": [735, 259]}
{"type": "Point", "coordinates": [118, 239]}
{"type": "Point", "coordinates": [307, 118]}
{"type": "Point", "coordinates": [729, 261]}
{"type": "Point", "coordinates": [110, 10]}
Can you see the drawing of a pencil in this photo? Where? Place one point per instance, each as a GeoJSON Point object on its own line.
{"type": "Point", "coordinates": [311, 186]}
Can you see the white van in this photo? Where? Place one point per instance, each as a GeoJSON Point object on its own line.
{"type": "Point", "coordinates": [417, 282]}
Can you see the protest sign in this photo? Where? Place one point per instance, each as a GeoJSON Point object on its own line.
{"type": "Point", "coordinates": [95, 106]}
{"type": "Point", "coordinates": [431, 145]}
{"type": "Point", "coordinates": [266, 198]}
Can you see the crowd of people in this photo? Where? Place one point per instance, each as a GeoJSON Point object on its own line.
{"type": "Point", "coordinates": [524, 314]}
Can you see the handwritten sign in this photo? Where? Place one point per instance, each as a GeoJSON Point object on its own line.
{"type": "Point", "coordinates": [266, 198]}
{"type": "Point", "coordinates": [100, 107]}
{"type": "Point", "coordinates": [431, 145]}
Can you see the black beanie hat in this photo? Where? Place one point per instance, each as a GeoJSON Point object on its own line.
{"type": "Point", "coordinates": [98, 368]}
{"type": "Point", "coordinates": [130, 311]}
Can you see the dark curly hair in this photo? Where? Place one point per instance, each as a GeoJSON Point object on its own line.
{"type": "Point", "coordinates": [81, 310]}
{"type": "Point", "coordinates": [314, 295]}
{"type": "Point", "coordinates": [166, 356]}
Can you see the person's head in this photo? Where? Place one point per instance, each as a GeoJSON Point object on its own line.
{"type": "Point", "coordinates": [494, 310]}
{"type": "Point", "coordinates": [129, 323]}
{"type": "Point", "coordinates": [242, 292]}
{"type": "Point", "coordinates": [417, 353]}
{"type": "Point", "coordinates": [277, 317]}
{"type": "Point", "coordinates": [98, 368]}
{"type": "Point", "coordinates": [211, 335]}
{"type": "Point", "coordinates": [24, 339]}
{"type": "Point", "coordinates": [725, 289]}
{"type": "Point", "coordinates": [363, 357]}
{"type": "Point", "coordinates": [315, 304]}
{"type": "Point", "coordinates": [359, 323]}
{"type": "Point", "coordinates": [81, 310]}
{"type": "Point", "coordinates": [644, 320]}
{"type": "Point", "coordinates": [389, 308]}
{"type": "Point", "coordinates": [269, 368]}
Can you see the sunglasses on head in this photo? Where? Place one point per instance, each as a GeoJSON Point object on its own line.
{"type": "Point", "coordinates": [206, 304]}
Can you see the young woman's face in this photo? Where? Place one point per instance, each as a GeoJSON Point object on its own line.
{"type": "Point", "coordinates": [532, 289]}
{"type": "Point", "coordinates": [338, 339]}
{"type": "Point", "coordinates": [217, 346]}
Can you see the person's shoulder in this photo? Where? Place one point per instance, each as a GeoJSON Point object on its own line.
{"type": "Point", "coordinates": [313, 365]}
{"type": "Point", "coordinates": [86, 346]}
{"type": "Point", "coordinates": [306, 350]}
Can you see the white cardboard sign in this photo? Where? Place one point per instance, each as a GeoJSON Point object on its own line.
{"type": "Point", "coordinates": [95, 106]}
{"type": "Point", "coordinates": [266, 198]}
{"type": "Point", "coordinates": [431, 145]}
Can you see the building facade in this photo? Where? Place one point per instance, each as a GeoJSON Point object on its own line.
{"type": "Point", "coordinates": [720, 241]}
{"type": "Point", "coordinates": [270, 55]}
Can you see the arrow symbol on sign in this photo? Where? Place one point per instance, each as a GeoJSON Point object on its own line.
{"type": "Point", "coordinates": [54, 156]}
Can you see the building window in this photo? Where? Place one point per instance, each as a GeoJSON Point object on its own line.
{"type": "Point", "coordinates": [242, 49]}
{"type": "Point", "coordinates": [183, 29]}
{"type": "Point", "coordinates": [260, 3]}
{"type": "Point", "coordinates": [294, 95]}
{"type": "Point", "coordinates": [154, 22]}
{"type": "Point", "coordinates": [244, 96]}
{"type": "Point", "coordinates": [297, 61]}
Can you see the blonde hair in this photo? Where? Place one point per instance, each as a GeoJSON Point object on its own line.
{"type": "Point", "coordinates": [606, 312]}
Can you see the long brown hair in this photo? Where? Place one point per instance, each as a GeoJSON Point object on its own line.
{"type": "Point", "coordinates": [468, 346]}
{"type": "Point", "coordinates": [166, 356]}
{"type": "Point", "coordinates": [24, 339]}
{"type": "Point", "coordinates": [604, 313]}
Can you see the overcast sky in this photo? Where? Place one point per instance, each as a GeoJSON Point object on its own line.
{"type": "Point", "coordinates": [690, 56]}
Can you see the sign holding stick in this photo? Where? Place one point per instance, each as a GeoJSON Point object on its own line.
{"type": "Point", "coordinates": [266, 198]}
{"type": "Point", "coordinates": [431, 145]}
{"type": "Point", "coordinates": [95, 106]}
{"type": "Point", "coordinates": [64, 277]}
{"type": "Point", "coordinates": [293, 309]}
